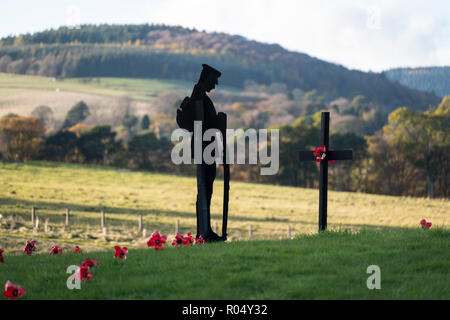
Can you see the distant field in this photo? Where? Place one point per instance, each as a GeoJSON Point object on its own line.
{"type": "Point", "coordinates": [139, 89]}
{"type": "Point", "coordinates": [21, 94]}
{"type": "Point", "coordinates": [163, 199]}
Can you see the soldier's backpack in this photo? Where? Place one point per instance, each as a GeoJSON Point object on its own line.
{"type": "Point", "coordinates": [186, 114]}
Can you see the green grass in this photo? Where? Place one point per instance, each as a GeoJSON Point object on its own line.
{"type": "Point", "coordinates": [414, 264]}
{"type": "Point", "coordinates": [364, 230]}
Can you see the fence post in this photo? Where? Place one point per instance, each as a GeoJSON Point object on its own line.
{"type": "Point", "coordinates": [36, 226]}
{"type": "Point", "coordinates": [140, 222]}
{"type": "Point", "coordinates": [216, 227]}
{"type": "Point", "coordinates": [67, 217]}
{"type": "Point", "coordinates": [33, 216]}
{"type": "Point", "coordinates": [177, 226]}
{"type": "Point", "coordinates": [144, 233]}
{"type": "Point", "coordinates": [289, 231]}
{"type": "Point", "coordinates": [102, 219]}
{"type": "Point", "coordinates": [46, 225]}
{"type": "Point", "coordinates": [250, 231]}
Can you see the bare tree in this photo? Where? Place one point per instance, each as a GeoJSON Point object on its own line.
{"type": "Point", "coordinates": [44, 114]}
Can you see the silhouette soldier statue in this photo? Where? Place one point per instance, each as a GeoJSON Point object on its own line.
{"type": "Point", "coordinates": [199, 107]}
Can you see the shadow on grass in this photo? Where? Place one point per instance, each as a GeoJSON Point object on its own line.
{"type": "Point", "coordinates": [111, 211]}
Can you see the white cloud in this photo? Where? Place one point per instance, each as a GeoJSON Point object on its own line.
{"type": "Point", "coordinates": [375, 35]}
{"type": "Point", "coordinates": [371, 34]}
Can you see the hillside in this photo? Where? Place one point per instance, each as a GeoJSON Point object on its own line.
{"type": "Point", "coordinates": [153, 51]}
{"type": "Point", "coordinates": [431, 79]}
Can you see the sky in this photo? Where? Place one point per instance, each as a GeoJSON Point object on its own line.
{"type": "Point", "coordinates": [369, 35]}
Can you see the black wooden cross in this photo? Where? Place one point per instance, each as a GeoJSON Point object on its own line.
{"type": "Point", "coordinates": [329, 155]}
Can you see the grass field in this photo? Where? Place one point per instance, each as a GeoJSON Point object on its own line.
{"type": "Point", "coordinates": [138, 89]}
{"type": "Point", "coordinates": [414, 264]}
{"type": "Point", "coordinates": [21, 93]}
{"type": "Point", "coordinates": [364, 230]}
{"type": "Point", "coordinates": [163, 199]}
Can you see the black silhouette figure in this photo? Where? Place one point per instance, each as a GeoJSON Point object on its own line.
{"type": "Point", "coordinates": [199, 107]}
{"type": "Point", "coordinates": [206, 173]}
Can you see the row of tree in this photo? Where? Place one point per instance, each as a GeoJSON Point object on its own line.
{"type": "Point", "coordinates": [409, 156]}
{"type": "Point", "coordinates": [22, 139]}
{"type": "Point", "coordinates": [431, 79]}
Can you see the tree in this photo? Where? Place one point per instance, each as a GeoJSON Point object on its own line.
{"type": "Point", "coordinates": [43, 113]}
{"type": "Point", "coordinates": [145, 122]}
{"type": "Point", "coordinates": [299, 136]}
{"type": "Point", "coordinates": [423, 138]}
{"type": "Point", "coordinates": [11, 115]}
{"type": "Point", "coordinates": [129, 121]}
{"type": "Point", "coordinates": [444, 107]}
{"type": "Point", "coordinates": [148, 152]}
{"type": "Point", "coordinates": [374, 120]}
{"type": "Point", "coordinates": [389, 170]}
{"type": "Point", "coordinates": [163, 125]}
{"type": "Point", "coordinates": [342, 170]}
{"type": "Point", "coordinates": [24, 136]}
{"type": "Point", "coordinates": [62, 146]}
{"type": "Point", "coordinates": [259, 120]}
{"type": "Point", "coordinates": [78, 129]}
{"type": "Point", "coordinates": [359, 105]}
{"type": "Point", "coordinates": [442, 115]}
{"type": "Point", "coordinates": [78, 113]}
{"type": "Point", "coordinates": [97, 144]}
{"type": "Point", "coordinates": [124, 114]}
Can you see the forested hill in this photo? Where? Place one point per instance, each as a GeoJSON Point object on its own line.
{"type": "Point", "coordinates": [158, 51]}
{"type": "Point", "coordinates": [431, 79]}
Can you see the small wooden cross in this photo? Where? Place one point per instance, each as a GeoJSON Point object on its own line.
{"type": "Point", "coordinates": [329, 155]}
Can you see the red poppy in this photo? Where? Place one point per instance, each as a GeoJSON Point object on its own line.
{"type": "Point", "coordinates": [12, 291]}
{"type": "Point", "coordinates": [2, 259]}
{"type": "Point", "coordinates": [121, 253]}
{"type": "Point", "coordinates": [83, 273]}
{"type": "Point", "coordinates": [200, 240]}
{"type": "Point", "coordinates": [89, 263]}
{"type": "Point", "coordinates": [157, 241]}
{"type": "Point", "coordinates": [189, 240]}
{"type": "Point", "coordinates": [77, 249]}
{"type": "Point", "coordinates": [179, 240]}
{"type": "Point", "coordinates": [30, 247]}
{"type": "Point", "coordinates": [425, 225]}
{"type": "Point", "coordinates": [320, 154]}
{"type": "Point", "coordinates": [55, 250]}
